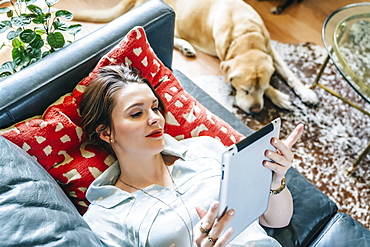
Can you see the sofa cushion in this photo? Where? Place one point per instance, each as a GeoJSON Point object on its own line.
{"type": "Point", "coordinates": [312, 210]}
{"type": "Point", "coordinates": [57, 140]}
{"type": "Point", "coordinates": [342, 230]}
{"type": "Point", "coordinates": [34, 211]}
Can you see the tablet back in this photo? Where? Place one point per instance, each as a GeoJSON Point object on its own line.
{"type": "Point", "coordinates": [245, 184]}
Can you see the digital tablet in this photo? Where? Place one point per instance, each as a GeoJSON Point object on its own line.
{"type": "Point", "coordinates": [245, 182]}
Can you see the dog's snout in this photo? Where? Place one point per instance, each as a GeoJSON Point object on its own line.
{"type": "Point", "coordinates": [255, 109]}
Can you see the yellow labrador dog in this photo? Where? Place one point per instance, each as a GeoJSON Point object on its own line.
{"type": "Point", "coordinates": [234, 32]}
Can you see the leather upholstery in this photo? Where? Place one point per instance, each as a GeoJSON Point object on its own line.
{"type": "Point", "coordinates": [30, 91]}
{"type": "Point", "coordinates": [342, 230]}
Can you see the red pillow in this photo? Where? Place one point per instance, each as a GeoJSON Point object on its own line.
{"type": "Point", "coordinates": [58, 143]}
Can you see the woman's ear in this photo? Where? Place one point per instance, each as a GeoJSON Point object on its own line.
{"type": "Point", "coordinates": [104, 134]}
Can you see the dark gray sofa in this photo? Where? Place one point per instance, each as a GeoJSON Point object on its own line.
{"type": "Point", "coordinates": [34, 211]}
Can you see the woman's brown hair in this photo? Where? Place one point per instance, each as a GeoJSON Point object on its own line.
{"type": "Point", "coordinates": [98, 100]}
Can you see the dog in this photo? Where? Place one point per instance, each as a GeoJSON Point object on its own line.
{"type": "Point", "coordinates": [280, 8]}
{"type": "Point", "coordinates": [235, 33]}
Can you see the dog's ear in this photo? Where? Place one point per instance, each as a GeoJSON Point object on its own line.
{"type": "Point", "coordinates": [225, 67]}
{"type": "Point", "coordinates": [229, 75]}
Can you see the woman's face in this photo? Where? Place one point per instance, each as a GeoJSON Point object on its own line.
{"type": "Point", "coordinates": [137, 121]}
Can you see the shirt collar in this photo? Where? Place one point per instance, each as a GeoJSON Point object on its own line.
{"type": "Point", "coordinates": [103, 192]}
{"type": "Point", "coordinates": [174, 147]}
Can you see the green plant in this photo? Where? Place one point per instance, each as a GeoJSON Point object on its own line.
{"type": "Point", "coordinates": [33, 33]}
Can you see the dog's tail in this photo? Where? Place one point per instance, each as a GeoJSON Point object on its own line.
{"type": "Point", "coordinates": [104, 15]}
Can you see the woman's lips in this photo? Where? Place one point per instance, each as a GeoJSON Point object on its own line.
{"type": "Point", "coordinates": [156, 133]}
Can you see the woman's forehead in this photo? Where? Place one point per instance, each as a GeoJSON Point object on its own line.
{"type": "Point", "coordinates": [135, 93]}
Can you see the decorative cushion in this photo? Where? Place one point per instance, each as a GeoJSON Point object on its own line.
{"type": "Point", "coordinates": [57, 140]}
{"type": "Point", "coordinates": [34, 211]}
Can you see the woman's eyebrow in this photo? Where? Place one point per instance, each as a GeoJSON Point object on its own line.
{"type": "Point", "coordinates": [155, 101]}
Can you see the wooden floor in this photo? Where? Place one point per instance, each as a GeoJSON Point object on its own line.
{"type": "Point", "coordinates": [302, 22]}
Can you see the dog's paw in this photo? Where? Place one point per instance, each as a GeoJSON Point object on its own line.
{"type": "Point", "coordinates": [308, 96]}
{"type": "Point", "coordinates": [185, 47]}
{"type": "Point", "coordinates": [276, 10]}
{"type": "Point", "coordinates": [282, 100]}
{"type": "Point", "coordinates": [188, 51]}
{"type": "Point", "coordinates": [278, 98]}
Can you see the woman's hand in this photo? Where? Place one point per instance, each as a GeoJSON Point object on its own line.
{"type": "Point", "coordinates": [280, 209]}
{"type": "Point", "coordinates": [207, 231]}
{"type": "Point", "coordinates": [283, 156]}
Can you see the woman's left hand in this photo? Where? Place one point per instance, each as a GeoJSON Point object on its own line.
{"type": "Point", "coordinates": [283, 156]}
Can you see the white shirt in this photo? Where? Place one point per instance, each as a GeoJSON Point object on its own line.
{"type": "Point", "coordinates": [162, 218]}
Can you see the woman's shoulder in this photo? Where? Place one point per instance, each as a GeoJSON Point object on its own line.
{"type": "Point", "coordinates": [203, 141]}
{"type": "Point", "coordinates": [203, 146]}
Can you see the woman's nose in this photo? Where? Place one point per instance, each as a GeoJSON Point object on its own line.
{"type": "Point", "coordinates": [153, 117]}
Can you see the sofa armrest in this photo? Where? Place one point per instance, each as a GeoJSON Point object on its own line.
{"type": "Point", "coordinates": [342, 230]}
{"type": "Point", "coordinates": [29, 92]}
{"type": "Point", "coordinates": [312, 211]}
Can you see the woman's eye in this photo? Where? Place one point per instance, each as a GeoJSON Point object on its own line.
{"type": "Point", "coordinates": [156, 109]}
{"type": "Point", "coordinates": [137, 114]}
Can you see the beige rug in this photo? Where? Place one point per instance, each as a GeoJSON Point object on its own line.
{"type": "Point", "coordinates": [335, 133]}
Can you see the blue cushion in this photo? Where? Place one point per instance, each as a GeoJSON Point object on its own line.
{"type": "Point", "coordinates": [34, 211]}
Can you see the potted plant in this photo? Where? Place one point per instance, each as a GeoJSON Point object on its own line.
{"type": "Point", "coordinates": [33, 32]}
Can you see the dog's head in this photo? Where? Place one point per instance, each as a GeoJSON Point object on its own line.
{"type": "Point", "coordinates": [250, 74]}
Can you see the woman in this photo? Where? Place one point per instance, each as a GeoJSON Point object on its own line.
{"type": "Point", "coordinates": [156, 192]}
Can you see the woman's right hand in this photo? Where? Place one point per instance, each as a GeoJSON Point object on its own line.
{"type": "Point", "coordinates": [207, 231]}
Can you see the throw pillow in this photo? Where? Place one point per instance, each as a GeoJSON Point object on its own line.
{"type": "Point", "coordinates": [34, 211]}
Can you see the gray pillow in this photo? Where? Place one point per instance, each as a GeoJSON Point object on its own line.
{"type": "Point", "coordinates": [34, 211]}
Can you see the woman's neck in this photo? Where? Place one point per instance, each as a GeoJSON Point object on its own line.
{"type": "Point", "coordinates": [141, 172]}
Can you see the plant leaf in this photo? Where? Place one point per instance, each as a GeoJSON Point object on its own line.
{"type": "Point", "coordinates": [58, 25]}
{"type": "Point", "coordinates": [28, 2]}
{"type": "Point", "coordinates": [40, 19]}
{"type": "Point", "coordinates": [51, 2]}
{"type": "Point", "coordinates": [56, 40]}
{"type": "Point", "coordinates": [38, 43]}
{"type": "Point", "coordinates": [34, 53]}
{"type": "Point", "coordinates": [16, 43]}
{"type": "Point", "coordinates": [5, 74]}
{"type": "Point", "coordinates": [10, 14]}
{"type": "Point", "coordinates": [4, 25]}
{"type": "Point", "coordinates": [13, 34]}
{"type": "Point", "coordinates": [4, 10]}
{"type": "Point", "coordinates": [40, 31]}
{"type": "Point", "coordinates": [64, 14]}
{"type": "Point", "coordinates": [7, 69]}
{"type": "Point", "coordinates": [8, 66]}
{"type": "Point", "coordinates": [27, 36]}
{"type": "Point", "coordinates": [35, 9]}
{"type": "Point", "coordinates": [20, 21]}
{"type": "Point", "coordinates": [46, 53]}
{"type": "Point", "coordinates": [18, 56]}
{"type": "Point", "coordinates": [74, 29]}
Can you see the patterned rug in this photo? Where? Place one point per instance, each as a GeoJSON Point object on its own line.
{"type": "Point", "coordinates": [335, 133]}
